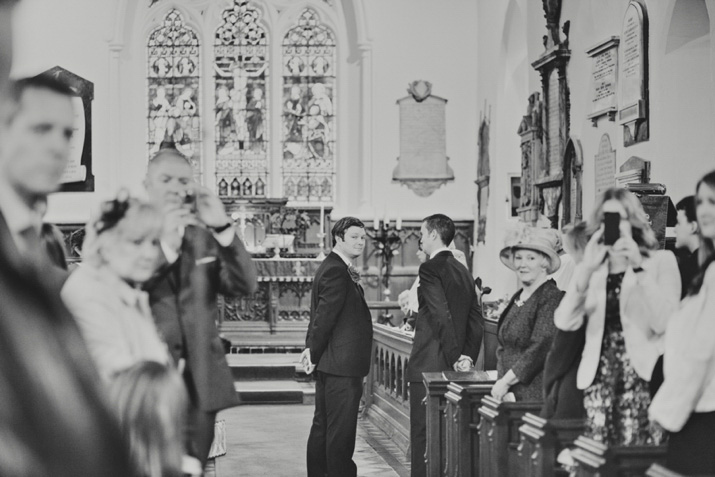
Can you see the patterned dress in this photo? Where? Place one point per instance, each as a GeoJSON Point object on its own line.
{"type": "Point", "coordinates": [617, 401]}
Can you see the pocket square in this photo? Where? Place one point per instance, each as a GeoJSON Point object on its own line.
{"type": "Point", "coordinates": [205, 260]}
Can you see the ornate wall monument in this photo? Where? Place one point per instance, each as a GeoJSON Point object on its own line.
{"type": "Point", "coordinates": [633, 74]}
{"type": "Point", "coordinates": [483, 174]}
{"type": "Point", "coordinates": [604, 79]}
{"type": "Point", "coordinates": [573, 188]}
{"type": "Point", "coordinates": [422, 165]}
{"type": "Point", "coordinates": [551, 65]}
{"type": "Point", "coordinates": [531, 133]}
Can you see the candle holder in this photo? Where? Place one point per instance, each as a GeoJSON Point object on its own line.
{"type": "Point", "coordinates": [386, 241]}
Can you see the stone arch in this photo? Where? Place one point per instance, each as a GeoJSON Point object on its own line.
{"type": "Point", "coordinates": [572, 196]}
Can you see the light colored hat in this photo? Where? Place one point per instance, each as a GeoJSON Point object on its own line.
{"type": "Point", "coordinates": [533, 239]}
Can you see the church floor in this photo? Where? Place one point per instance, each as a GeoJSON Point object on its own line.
{"type": "Point", "coordinates": [270, 440]}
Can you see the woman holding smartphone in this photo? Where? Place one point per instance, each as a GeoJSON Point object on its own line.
{"type": "Point", "coordinates": [624, 290]}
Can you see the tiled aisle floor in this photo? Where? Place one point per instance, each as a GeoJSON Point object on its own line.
{"type": "Point", "coordinates": [270, 440]}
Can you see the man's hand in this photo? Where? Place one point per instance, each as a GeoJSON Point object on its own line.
{"type": "Point", "coordinates": [175, 220]}
{"type": "Point", "coordinates": [464, 363]}
{"type": "Point", "coordinates": [308, 366]}
{"type": "Point", "coordinates": [209, 208]}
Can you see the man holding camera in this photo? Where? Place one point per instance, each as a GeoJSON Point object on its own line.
{"type": "Point", "coordinates": [204, 257]}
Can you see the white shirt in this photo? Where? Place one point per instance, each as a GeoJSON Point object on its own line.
{"type": "Point", "coordinates": [18, 215]}
{"type": "Point", "coordinates": [347, 261]}
{"type": "Point", "coordinates": [441, 249]}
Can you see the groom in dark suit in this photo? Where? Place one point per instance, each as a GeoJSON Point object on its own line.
{"type": "Point", "coordinates": [204, 257]}
{"type": "Point", "coordinates": [338, 346]}
{"type": "Point", "coordinates": [448, 328]}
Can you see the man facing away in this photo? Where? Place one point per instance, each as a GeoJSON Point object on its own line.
{"type": "Point", "coordinates": [687, 241]}
{"type": "Point", "coordinates": [448, 328]}
{"type": "Point", "coordinates": [53, 415]}
{"type": "Point", "coordinates": [338, 346]}
{"type": "Point", "coordinates": [204, 257]}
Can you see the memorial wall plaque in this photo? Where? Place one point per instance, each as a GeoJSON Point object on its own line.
{"type": "Point", "coordinates": [605, 164]}
{"type": "Point", "coordinates": [422, 164]}
{"type": "Point", "coordinates": [78, 176]}
{"type": "Point", "coordinates": [604, 79]}
{"type": "Point", "coordinates": [633, 75]}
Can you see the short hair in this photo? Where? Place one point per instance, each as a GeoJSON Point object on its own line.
{"type": "Point", "coordinates": [443, 225]}
{"type": "Point", "coordinates": [344, 224]}
{"type": "Point", "coordinates": [687, 205]}
{"type": "Point", "coordinates": [167, 149]}
{"type": "Point", "coordinates": [12, 95]}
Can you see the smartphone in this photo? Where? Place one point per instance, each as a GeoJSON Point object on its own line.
{"type": "Point", "coordinates": [611, 231]}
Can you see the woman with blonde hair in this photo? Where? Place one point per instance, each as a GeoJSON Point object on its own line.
{"type": "Point", "coordinates": [120, 253]}
{"type": "Point", "coordinates": [151, 402]}
{"type": "Point", "coordinates": [624, 293]}
{"type": "Point", "coordinates": [685, 403]}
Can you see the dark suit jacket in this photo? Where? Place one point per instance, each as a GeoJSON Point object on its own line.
{"type": "Point", "coordinates": [449, 320]}
{"type": "Point", "coordinates": [525, 335]}
{"type": "Point", "coordinates": [183, 302]}
{"type": "Point", "coordinates": [340, 330]}
{"type": "Point", "coordinates": [46, 374]}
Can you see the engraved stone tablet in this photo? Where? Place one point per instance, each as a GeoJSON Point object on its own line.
{"type": "Point", "coordinates": [631, 64]}
{"type": "Point", "coordinates": [605, 164]}
{"type": "Point", "coordinates": [422, 164]}
{"type": "Point", "coordinates": [604, 77]}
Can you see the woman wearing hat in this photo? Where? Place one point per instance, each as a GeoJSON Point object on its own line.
{"type": "Point", "coordinates": [526, 327]}
{"type": "Point", "coordinates": [624, 293]}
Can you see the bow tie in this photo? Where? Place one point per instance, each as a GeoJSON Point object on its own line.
{"type": "Point", "coordinates": [354, 273]}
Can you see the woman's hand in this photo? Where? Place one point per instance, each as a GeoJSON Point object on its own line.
{"type": "Point", "coordinates": [627, 249]}
{"type": "Point", "coordinates": [593, 257]}
{"type": "Point", "coordinates": [500, 388]}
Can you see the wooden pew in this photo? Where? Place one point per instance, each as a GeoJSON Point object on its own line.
{"type": "Point", "coordinates": [462, 446]}
{"type": "Point", "coordinates": [542, 440]}
{"type": "Point", "coordinates": [596, 459]}
{"type": "Point", "coordinates": [657, 470]}
{"type": "Point", "coordinates": [436, 384]}
{"type": "Point", "coordinates": [499, 436]}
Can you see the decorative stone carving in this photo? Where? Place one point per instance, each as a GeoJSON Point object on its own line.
{"type": "Point", "coordinates": [483, 179]}
{"type": "Point", "coordinates": [530, 130]}
{"type": "Point", "coordinates": [422, 165]}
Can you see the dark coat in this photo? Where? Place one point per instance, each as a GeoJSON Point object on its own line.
{"type": "Point", "coordinates": [183, 302]}
{"type": "Point", "coordinates": [340, 330]}
{"type": "Point", "coordinates": [449, 320]}
{"type": "Point", "coordinates": [525, 334]}
{"type": "Point", "coordinates": [562, 398]}
{"type": "Point", "coordinates": [46, 374]}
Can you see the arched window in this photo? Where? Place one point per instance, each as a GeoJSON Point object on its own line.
{"type": "Point", "coordinates": [309, 110]}
{"type": "Point", "coordinates": [174, 84]}
{"type": "Point", "coordinates": [268, 138]}
{"type": "Point", "coordinates": [241, 124]}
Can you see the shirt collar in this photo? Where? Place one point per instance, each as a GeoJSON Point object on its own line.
{"type": "Point", "coordinates": [347, 261]}
{"type": "Point", "coordinates": [18, 215]}
{"type": "Point", "coordinates": [439, 250]}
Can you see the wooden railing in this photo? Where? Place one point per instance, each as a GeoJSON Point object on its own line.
{"type": "Point", "coordinates": [387, 402]}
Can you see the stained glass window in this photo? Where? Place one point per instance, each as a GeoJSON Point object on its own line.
{"type": "Point", "coordinates": [308, 129]}
{"type": "Point", "coordinates": [173, 76]}
{"type": "Point", "coordinates": [241, 121]}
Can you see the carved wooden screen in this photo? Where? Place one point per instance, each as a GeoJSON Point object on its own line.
{"type": "Point", "coordinates": [241, 78]}
{"type": "Point", "coordinates": [308, 128]}
{"type": "Point", "coordinates": [173, 75]}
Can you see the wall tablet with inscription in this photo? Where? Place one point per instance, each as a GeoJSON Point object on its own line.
{"type": "Point", "coordinates": [78, 176]}
{"type": "Point", "coordinates": [605, 163]}
{"type": "Point", "coordinates": [633, 74]}
{"type": "Point", "coordinates": [422, 165]}
{"type": "Point", "coordinates": [604, 79]}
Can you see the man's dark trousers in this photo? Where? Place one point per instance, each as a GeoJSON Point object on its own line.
{"type": "Point", "coordinates": [332, 436]}
{"type": "Point", "coordinates": [418, 429]}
